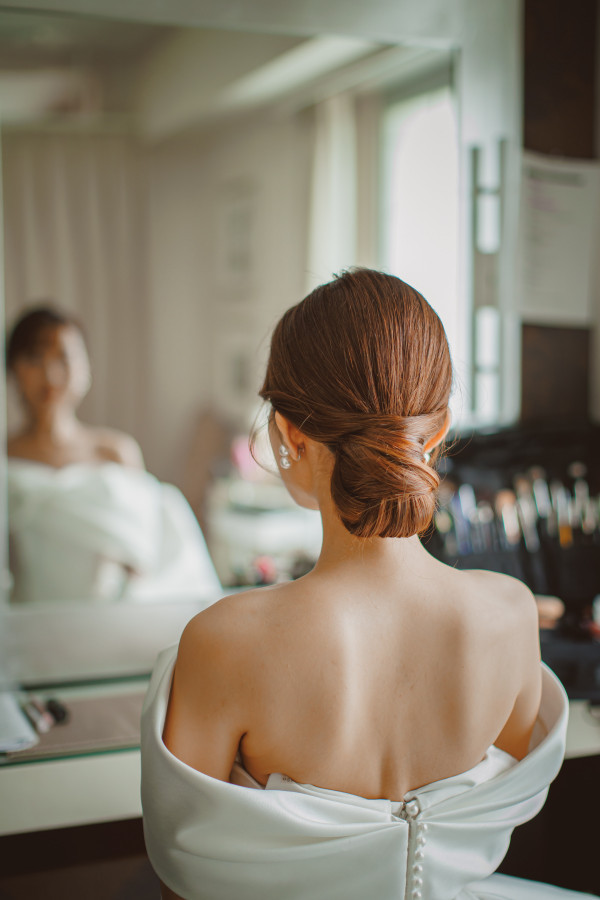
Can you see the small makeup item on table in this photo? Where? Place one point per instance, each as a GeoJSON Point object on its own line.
{"type": "Point", "coordinates": [527, 512]}
{"type": "Point", "coordinates": [581, 489]}
{"type": "Point", "coordinates": [591, 518]}
{"type": "Point", "coordinates": [58, 711]}
{"type": "Point", "coordinates": [485, 518]}
{"type": "Point", "coordinates": [37, 714]}
{"type": "Point", "coordinates": [541, 492]}
{"type": "Point", "coordinates": [506, 510]}
{"type": "Point", "coordinates": [461, 505]}
{"type": "Point", "coordinates": [563, 515]}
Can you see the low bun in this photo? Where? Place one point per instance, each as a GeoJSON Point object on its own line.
{"type": "Point", "coordinates": [362, 366]}
{"type": "Point", "coordinates": [381, 484]}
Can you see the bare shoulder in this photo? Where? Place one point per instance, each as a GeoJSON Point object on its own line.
{"type": "Point", "coordinates": [116, 446]}
{"type": "Point", "coordinates": [503, 595]}
{"type": "Point", "coordinates": [508, 626]}
{"type": "Point", "coordinates": [500, 621]}
{"type": "Point", "coordinates": [518, 646]}
{"type": "Point", "coordinates": [506, 651]}
{"type": "Point", "coordinates": [223, 647]}
{"type": "Point", "coordinates": [229, 636]}
{"type": "Point", "coordinates": [234, 620]}
{"type": "Point", "coordinates": [212, 690]}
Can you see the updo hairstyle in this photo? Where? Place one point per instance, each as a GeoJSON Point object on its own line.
{"type": "Point", "coordinates": [362, 365]}
{"type": "Point", "coordinates": [26, 333]}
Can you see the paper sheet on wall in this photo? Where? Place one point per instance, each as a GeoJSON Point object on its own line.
{"type": "Point", "coordinates": [558, 239]}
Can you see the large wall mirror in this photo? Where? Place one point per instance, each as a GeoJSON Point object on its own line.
{"type": "Point", "coordinates": [170, 187]}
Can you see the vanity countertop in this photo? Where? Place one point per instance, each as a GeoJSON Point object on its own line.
{"type": "Point", "coordinates": [101, 717]}
{"type": "Point", "coordinates": [82, 771]}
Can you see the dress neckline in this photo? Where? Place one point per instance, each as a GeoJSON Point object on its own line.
{"type": "Point", "coordinates": [277, 782]}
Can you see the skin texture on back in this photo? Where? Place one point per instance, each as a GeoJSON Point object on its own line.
{"type": "Point", "coordinates": [342, 685]}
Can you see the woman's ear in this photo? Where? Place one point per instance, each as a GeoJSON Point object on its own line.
{"type": "Point", "coordinates": [291, 436]}
{"type": "Point", "coordinates": [441, 434]}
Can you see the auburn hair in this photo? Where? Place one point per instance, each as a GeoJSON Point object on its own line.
{"type": "Point", "coordinates": [362, 365]}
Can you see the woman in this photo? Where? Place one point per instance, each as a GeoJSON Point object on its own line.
{"type": "Point", "coordinates": [380, 696]}
{"type": "Point", "coordinates": [87, 522]}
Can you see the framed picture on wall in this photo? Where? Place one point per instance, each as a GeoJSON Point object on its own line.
{"type": "Point", "coordinates": [235, 386]}
{"type": "Point", "coordinates": [236, 238]}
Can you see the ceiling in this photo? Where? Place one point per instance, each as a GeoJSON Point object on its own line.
{"type": "Point", "coordinates": [77, 69]}
{"type": "Point", "coordinates": [32, 39]}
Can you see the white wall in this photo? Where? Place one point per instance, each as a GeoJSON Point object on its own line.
{"type": "Point", "coordinates": [192, 317]}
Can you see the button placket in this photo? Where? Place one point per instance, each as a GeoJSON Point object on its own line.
{"type": "Point", "coordinates": [412, 810]}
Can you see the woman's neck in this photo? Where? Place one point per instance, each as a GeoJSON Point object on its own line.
{"type": "Point", "coordinates": [57, 426]}
{"type": "Point", "coordinates": [340, 547]}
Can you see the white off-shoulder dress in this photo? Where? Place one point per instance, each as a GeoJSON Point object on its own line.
{"type": "Point", "coordinates": [75, 531]}
{"type": "Point", "coordinates": [212, 840]}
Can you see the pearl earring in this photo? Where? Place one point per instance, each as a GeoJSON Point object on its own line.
{"type": "Point", "coordinates": [284, 455]}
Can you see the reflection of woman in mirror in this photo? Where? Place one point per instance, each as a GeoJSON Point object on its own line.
{"type": "Point", "coordinates": [87, 523]}
{"type": "Point", "coordinates": [385, 702]}
{"type": "Point", "coordinates": [47, 355]}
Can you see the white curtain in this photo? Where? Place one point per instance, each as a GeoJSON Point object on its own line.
{"type": "Point", "coordinates": [72, 237]}
{"type": "Point", "coordinates": [333, 214]}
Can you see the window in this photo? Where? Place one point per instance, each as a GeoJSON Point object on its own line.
{"type": "Point", "coordinates": [419, 211]}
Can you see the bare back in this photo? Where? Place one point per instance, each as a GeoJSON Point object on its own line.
{"type": "Point", "coordinates": [366, 685]}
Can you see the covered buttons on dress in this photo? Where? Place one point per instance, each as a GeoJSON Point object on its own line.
{"type": "Point", "coordinates": [411, 811]}
{"type": "Point", "coordinates": [419, 856]}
